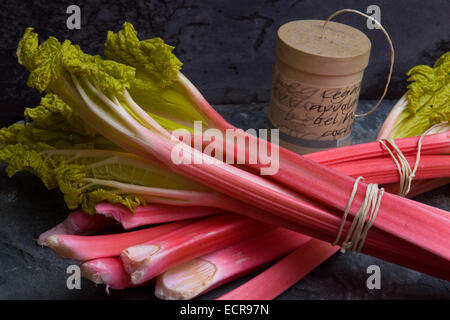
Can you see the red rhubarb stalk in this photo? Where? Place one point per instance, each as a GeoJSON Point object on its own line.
{"type": "Point", "coordinates": [77, 223]}
{"type": "Point", "coordinates": [285, 273]}
{"type": "Point", "coordinates": [152, 213]}
{"type": "Point", "coordinates": [300, 175]}
{"type": "Point", "coordinates": [147, 260]}
{"type": "Point", "coordinates": [390, 219]}
{"type": "Point", "coordinates": [91, 247]}
{"type": "Point", "coordinates": [192, 278]}
{"type": "Point", "coordinates": [383, 170]}
{"type": "Point", "coordinates": [108, 271]}
{"type": "Point", "coordinates": [288, 271]}
{"type": "Point", "coordinates": [431, 144]}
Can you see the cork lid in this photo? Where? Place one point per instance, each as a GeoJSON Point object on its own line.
{"type": "Point", "coordinates": [342, 49]}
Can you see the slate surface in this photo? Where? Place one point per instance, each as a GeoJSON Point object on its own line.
{"type": "Point", "coordinates": [28, 271]}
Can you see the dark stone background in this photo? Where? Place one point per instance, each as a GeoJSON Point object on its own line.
{"type": "Point", "coordinates": [227, 47]}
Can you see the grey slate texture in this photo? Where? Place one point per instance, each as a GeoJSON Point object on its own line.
{"type": "Point", "coordinates": [227, 48]}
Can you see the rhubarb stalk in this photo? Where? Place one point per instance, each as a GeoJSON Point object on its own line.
{"type": "Point", "coordinates": [77, 223]}
{"type": "Point", "coordinates": [85, 248]}
{"type": "Point", "coordinates": [108, 271]}
{"type": "Point", "coordinates": [285, 273]}
{"type": "Point", "coordinates": [152, 213]}
{"type": "Point", "coordinates": [192, 278]}
{"type": "Point", "coordinates": [147, 260]}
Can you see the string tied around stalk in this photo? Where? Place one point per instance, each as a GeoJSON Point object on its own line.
{"type": "Point", "coordinates": [363, 220]}
{"type": "Point", "coordinates": [406, 174]}
{"type": "Point", "coordinates": [365, 217]}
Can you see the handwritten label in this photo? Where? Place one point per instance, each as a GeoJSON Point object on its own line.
{"type": "Point", "coordinates": [311, 112]}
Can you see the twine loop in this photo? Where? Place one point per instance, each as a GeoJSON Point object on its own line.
{"type": "Point", "coordinates": [391, 66]}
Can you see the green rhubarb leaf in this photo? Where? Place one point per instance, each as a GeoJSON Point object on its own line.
{"type": "Point", "coordinates": [50, 125]}
{"type": "Point", "coordinates": [66, 160]}
{"type": "Point", "coordinates": [152, 56]}
{"type": "Point", "coordinates": [88, 177]}
{"type": "Point", "coordinates": [20, 158]}
{"type": "Point", "coordinates": [109, 76]}
{"type": "Point", "coordinates": [57, 146]}
{"type": "Point", "coordinates": [82, 81]}
{"type": "Point", "coordinates": [27, 48]}
{"type": "Point", "coordinates": [54, 114]}
{"type": "Point", "coordinates": [428, 98]}
{"type": "Point", "coordinates": [53, 127]}
{"type": "Point", "coordinates": [12, 134]}
{"type": "Point", "coordinates": [32, 138]}
{"type": "Point", "coordinates": [55, 67]}
{"type": "Point", "coordinates": [156, 88]}
{"type": "Point", "coordinates": [52, 61]}
{"type": "Point", "coordinates": [71, 179]}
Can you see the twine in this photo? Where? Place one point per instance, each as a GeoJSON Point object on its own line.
{"type": "Point", "coordinates": [391, 67]}
{"type": "Point", "coordinates": [357, 234]}
{"type": "Point", "coordinates": [406, 174]}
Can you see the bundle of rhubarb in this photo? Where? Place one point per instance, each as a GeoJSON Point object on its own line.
{"type": "Point", "coordinates": [425, 105]}
{"type": "Point", "coordinates": [119, 137]}
{"type": "Point", "coordinates": [424, 109]}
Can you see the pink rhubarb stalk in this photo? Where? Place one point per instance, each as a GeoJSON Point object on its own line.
{"type": "Point", "coordinates": [91, 247]}
{"type": "Point", "coordinates": [77, 223]}
{"type": "Point", "coordinates": [383, 170]}
{"type": "Point", "coordinates": [147, 260]}
{"type": "Point", "coordinates": [152, 213]}
{"type": "Point", "coordinates": [192, 278]}
{"type": "Point", "coordinates": [108, 271]}
{"type": "Point", "coordinates": [285, 273]}
{"type": "Point", "coordinates": [298, 174]}
{"type": "Point", "coordinates": [431, 144]}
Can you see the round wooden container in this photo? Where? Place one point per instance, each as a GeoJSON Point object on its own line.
{"type": "Point", "coordinates": [316, 84]}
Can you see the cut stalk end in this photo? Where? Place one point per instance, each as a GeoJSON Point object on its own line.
{"type": "Point", "coordinates": [186, 280]}
{"type": "Point", "coordinates": [135, 260]}
{"type": "Point", "coordinates": [59, 229]}
{"type": "Point", "coordinates": [94, 271]}
{"type": "Point", "coordinates": [108, 271]}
